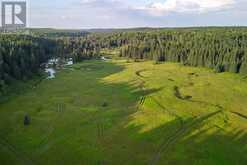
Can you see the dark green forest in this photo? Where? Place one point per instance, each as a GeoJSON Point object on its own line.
{"type": "Point", "coordinates": [223, 49]}
{"type": "Point", "coordinates": [23, 56]}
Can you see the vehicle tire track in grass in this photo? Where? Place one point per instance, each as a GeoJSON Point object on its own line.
{"type": "Point", "coordinates": [239, 114]}
{"type": "Point", "coordinates": [178, 134]}
{"type": "Point", "coordinates": [183, 128]}
{"type": "Point", "coordinates": [60, 109]}
{"type": "Point", "coordinates": [143, 98]}
{"type": "Point", "coordinates": [178, 95]}
{"type": "Point", "coordinates": [138, 73]}
{"type": "Point", "coordinates": [166, 141]}
{"type": "Point", "coordinates": [141, 86]}
{"type": "Point", "coordinates": [22, 157]}
{"type": "Point", "coordinates": [168, 111]}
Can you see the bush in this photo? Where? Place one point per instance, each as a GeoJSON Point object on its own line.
{"type": "Point", "coordinates": [105, 104]}
{"type": "Point", "coordinates": [220, 68]}
{"type": "Point", "coordinates": [27, 120]}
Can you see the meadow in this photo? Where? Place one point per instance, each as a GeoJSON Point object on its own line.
{"type": "Point", "coordinates": [126, 112]}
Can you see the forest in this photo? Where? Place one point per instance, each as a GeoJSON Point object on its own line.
{"type": "Point", "coordinates": [222, 49]}
{"type": "Point", "coordinates": [22, 56]}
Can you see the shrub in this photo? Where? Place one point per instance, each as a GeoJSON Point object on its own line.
{"type": "Point", "coordinates": [27, 120]}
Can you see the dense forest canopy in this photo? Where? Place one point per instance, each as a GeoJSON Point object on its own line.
{"type": "Point", "coordinates": [223, 49]}
{"type": "Point", "coordinates": [21, 56]}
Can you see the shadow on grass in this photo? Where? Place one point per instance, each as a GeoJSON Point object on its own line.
{"type": "Point", "coordinates": [85, 135]}
{"type": "Point", "coordinates": [83, 117]}
{"type": "Point", "coordinates": [194, 141]}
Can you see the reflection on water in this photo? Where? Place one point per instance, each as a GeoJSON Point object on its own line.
{"type": "Point", "coordinates": [104, 58]}
{"type": "Point", "coordinates": [56, 63]}
{"type": "Point", "coordinates": [51, 73]}
{"type": "Point", "coordinates": [70, 62]}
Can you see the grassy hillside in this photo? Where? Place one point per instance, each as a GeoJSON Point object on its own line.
{"type": "Point", "coordinates": [121, 112]}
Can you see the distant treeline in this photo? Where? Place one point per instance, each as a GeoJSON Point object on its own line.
{"type": "Point", "coordinates": [55, 33]}
{"type": "Point", "coordinates": [223, 49]}
{"type": "Point", "coordinates": [77, 48]}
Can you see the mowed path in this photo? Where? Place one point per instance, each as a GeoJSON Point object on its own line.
{"type": "Point", "coordinates": [118, 112]}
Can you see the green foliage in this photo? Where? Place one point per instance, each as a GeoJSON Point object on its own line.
{"type": "Point", "coordinates": [21, 57]}
{"type": "Point", "coordinates": [220, 48]}
{"type": "Point", "coordinates": [223, 49]}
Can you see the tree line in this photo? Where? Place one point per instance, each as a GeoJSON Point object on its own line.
{"type": "Point", "coordinates": [77, 48]}
{"type": "Point", "coordinates": [220, 49]}
{"type": "Point", "coordinates": [223, 49]}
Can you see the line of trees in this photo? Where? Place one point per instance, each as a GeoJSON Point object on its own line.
{"type": "Point", "coordinates": [223, 49]}
{"type": "Point", "coordinates": [220, 49]}
{"type": "Point", "coordinates": [77, 48]}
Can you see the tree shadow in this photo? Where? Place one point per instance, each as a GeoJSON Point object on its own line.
{"type": "Point", "coordinates": [85, 132]}
{"type": "Point", "coordinates": [83, 122]}
{"type": "Point", "coordinates": [189, 141]}
{"type": "Point", "coordinates": [194, 141]}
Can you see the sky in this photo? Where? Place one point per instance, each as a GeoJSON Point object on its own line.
{"type": "Point", "coordinates": [84, 14]}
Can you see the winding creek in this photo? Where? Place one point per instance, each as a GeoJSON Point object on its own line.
{"type": "Point", "coordinates": [52, 64]}
{"type": "Point", "coordinates": [50, 68]}
{"type": "Point", "coordinates": [51, 73]}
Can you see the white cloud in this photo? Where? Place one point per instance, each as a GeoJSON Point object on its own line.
{"type": "Point", "coordinates": [136, 13]}
{"type": "Point", "coordinates": [87, 1]}
{"type": "Point", "coordinates": [186, 6]}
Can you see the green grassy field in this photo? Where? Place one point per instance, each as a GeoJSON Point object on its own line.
{"type": "Point", "coordinates": [122, 112]}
